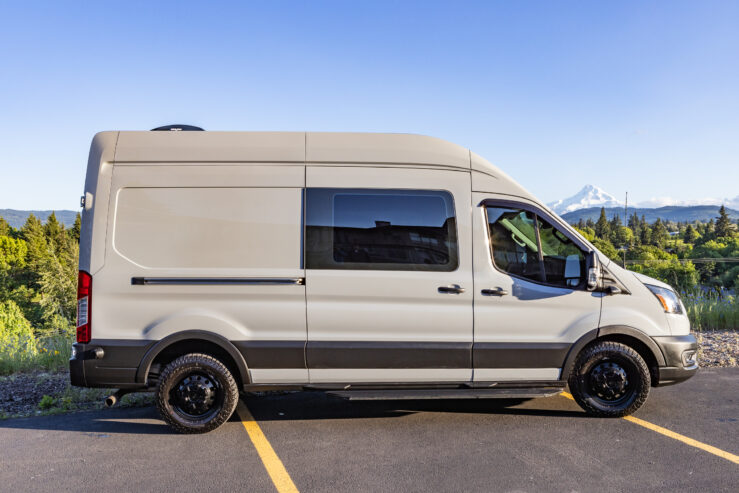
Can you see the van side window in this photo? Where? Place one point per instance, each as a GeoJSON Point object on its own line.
{"type": "Point", "coordinates": [564, 262]}
{"type": "Point", "coordinates": [513, 242]}
{"type": "Point", "coordinates": [525, 245]}
{"type": "Point", "coordinates": [369, 229]}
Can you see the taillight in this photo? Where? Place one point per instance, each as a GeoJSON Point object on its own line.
{"type": "Point", "coordinates": [84, 307]}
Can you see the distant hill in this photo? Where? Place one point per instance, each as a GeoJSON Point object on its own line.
{"type": "Point", "coordinates": [18, 218]}
{"type": "Point", "coordinates": [703, 213]}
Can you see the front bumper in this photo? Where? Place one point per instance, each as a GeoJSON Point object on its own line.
{"type": "Point", "coordinates": [674, 349]}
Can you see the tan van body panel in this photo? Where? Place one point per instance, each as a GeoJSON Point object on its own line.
{"type": "Point", "coordinates": [201, 236]}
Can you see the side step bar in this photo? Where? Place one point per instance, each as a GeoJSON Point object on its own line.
{"type": "Point", "coordinates": [410, 394]}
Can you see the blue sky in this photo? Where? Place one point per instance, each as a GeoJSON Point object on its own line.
{"type": "Point", "coordinates": [637, 96]}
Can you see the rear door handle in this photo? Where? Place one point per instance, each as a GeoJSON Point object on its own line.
{"type": "Point", "coordinates": [494, 292]}
{"type": "Point", "coordinates": [451, 289]}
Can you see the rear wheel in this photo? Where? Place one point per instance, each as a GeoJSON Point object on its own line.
{"type": "Point", "coordinates": [196, 394]}
{"type": "Point", "coordinates": [610, 379]}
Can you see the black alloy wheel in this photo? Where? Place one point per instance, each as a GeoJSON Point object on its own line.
{"type": "Point", "coordinates": [610, 379]}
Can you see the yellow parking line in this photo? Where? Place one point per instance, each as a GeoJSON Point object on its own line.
{"type": "Point", "coordinates": [677, 436]}
{"type": "Point", "coordinates": [272, 463]}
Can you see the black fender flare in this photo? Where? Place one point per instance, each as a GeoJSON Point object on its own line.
{"type": "Point", "coordinates": [594, 334]}
{"type": "Point", "coordinates": [575, 349]}
{"type": "Point", "coordinates": [143, 370]}
{"type": "Point", "coordinates": [636, 334]}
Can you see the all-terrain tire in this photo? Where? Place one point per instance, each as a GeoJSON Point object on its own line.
{"type": "Point", "coordinates": [214, 379]}
{"type": "Point", "coordinates": [609, 361]}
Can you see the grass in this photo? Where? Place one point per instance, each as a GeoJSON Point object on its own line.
{"type": "Point", "coordinates": [711, 310]}
{"type": "Point", "coordinates": [81, 399]}
{"type": "Point", "coordinates": [52, 355]}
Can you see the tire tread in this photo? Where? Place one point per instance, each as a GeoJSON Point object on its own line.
{"type": "Point", "coordinates": [616, 347]}
{"type": "Point", "coordinates": [231, 397]}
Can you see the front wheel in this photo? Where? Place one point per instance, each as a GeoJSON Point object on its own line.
{"type": "Point", "coordinates": [196, 394]}
{"type": "Point", "coordinates": [610, 379]}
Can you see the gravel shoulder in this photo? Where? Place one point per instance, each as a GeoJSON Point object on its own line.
{"type": "Point", "coordinates": [41, 393]}
{"type": "Point", "coordinates": [44, 393]}
{"type": "Point", "coordinates": [718, 348]}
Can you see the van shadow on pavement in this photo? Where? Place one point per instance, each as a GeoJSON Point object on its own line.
{"type": "Point", "coordinates": [320, 406]}
{"type": "Point", "coordinates": [120, 420]}
{"type": "Point", "coordinates": [293, 406]}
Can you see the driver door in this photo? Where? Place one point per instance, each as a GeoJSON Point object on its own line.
{"type": "Point", "coordinates": [531, 302]}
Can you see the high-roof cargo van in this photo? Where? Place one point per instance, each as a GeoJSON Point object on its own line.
{"type": "Point", "coordinates": [363, 265]}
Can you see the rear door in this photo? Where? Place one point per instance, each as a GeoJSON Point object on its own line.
{"type": "Point", "coordinates": [388, 275]}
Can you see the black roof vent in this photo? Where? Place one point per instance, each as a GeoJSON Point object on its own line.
{"type": "Point", "coordinates": [177, 128]}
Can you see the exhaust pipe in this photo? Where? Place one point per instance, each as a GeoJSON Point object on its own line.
{"type": "Point", "coordinates": [113, 399]}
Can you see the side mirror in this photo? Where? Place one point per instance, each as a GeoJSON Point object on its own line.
{"type": "Point", "coordinates": [594, 272]}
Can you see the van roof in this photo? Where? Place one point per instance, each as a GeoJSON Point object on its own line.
{"type": "Point", "coordinates": [328, 147]}
{"type": "Point", "coordinates": [297, 147]}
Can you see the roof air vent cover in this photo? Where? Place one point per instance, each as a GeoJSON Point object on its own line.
{"type": "Point", "coordinates": [176, 128]}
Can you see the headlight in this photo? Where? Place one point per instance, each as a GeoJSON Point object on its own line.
{"type": "Point", "coordinates": [667, 298]}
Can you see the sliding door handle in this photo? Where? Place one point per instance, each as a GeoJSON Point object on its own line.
{"type": "Point", "coordinates": [494, 292]}
{"type": "Point", "coordinates": [451, 289]}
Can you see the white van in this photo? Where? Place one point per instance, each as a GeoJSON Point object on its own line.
{"type": "Point", "coordinates": [364, 265]}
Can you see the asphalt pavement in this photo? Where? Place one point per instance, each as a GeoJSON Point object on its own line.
{"type": "Point", "coordinates": [328, 444]}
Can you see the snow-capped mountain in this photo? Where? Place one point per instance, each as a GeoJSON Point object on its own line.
{"type": "Point", "coordinates": [589, 196]}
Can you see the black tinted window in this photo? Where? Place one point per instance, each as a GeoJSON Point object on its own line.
{"type": "Point", "coordinates": [380, 229]}
{"type": "Point", "coordinates": [525, 245]}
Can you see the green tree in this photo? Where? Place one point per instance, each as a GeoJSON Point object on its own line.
{"type": "Point", "coordinates": [4, 227]}
{"type": "Point", "coordinates": [635, 227]}
{"type": "Point", "coordinates": [33, 233]}
{"type": "Point", "coordinates": [58, 289]}
{"type": "Point", "coordinates": [730, 279]}
{"type": "Point", "coordinates": [622, 237]}
{"type": "Point", "coordinates": [679, 275]}
{"type": "Point", "coordinates": [648, 253]}
{"type": "Point", "coordinates": [588, 233]}
{"type": "Point", "coordinates": [690, 235]}
{"type": "Point", "coordinates": [723, 224]}
{"type": "Point", "coordinates": [710, 231]}
{"type": "Point", "coordinates": [659, 234]}
{"type": "Point", "coordinates": [602, 228]}
{"type": "Point", "coordinates": [645, 232]}
{"type": "Point", "coordinates": [12, 254]}
{"type": "Point", "coordinates": [607, 248]}
{"type": "Point", "coordinates": [74, 232]}
{"type": "Point", "coordinates": [16, 334]}
{"type": "Point", "coordinates": [56, 236]}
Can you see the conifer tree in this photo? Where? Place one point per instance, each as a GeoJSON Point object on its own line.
{"type": "Point", "coordinates": [602, 228]}
{"type": "Point", "coordinates": [634, 222]}
{"type": "Point", "coordinates": [710, 231]}
{"type": "Point", "coordinates": [723, 223]}
{"type": "Point", "coordinates": [659, 233]}
{"type": "Point", "coordinates": [690, 234]}
{"type": "Point", "coordinates": [74, 232]}
{"type": "Point", "coordinates": [33, 232]}
{"type": "Point", "coordinates": [55, 234]}
{"type": "Point", "coordinates": [645, 232]}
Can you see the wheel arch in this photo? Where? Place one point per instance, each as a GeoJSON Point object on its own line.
{"type": "Point", "coordinates": [634, 338]}
{"type": "Point", "coordinates": [195, 341]}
